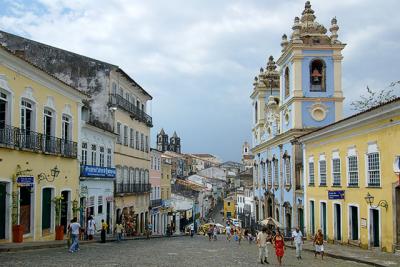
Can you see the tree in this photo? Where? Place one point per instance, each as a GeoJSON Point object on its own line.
{"type": "Point", "coordinates": [375, 98]}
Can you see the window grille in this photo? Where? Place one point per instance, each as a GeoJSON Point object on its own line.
{"type": "Point", "coordinates": [311, 175]}
{"type": "Point", "coordinates": [269, 166]}
{"type": "Point", "coordinates": [287, 172]}
{"type": "Point", "coordinates": [84, 153]}
{"type": "Point", "coordinates": [276, 173]}
{"type": "Point", "coordinates": [373, 169]}
{"type": "Point", "coordinates": [336, 172]}
{"type": "Point", "coordinates": [353, 170]}
{"type": "Point", "coordinates": [322, 172]}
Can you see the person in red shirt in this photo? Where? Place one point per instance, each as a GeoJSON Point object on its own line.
{"type": "Point", "coordinates": [279, 245]}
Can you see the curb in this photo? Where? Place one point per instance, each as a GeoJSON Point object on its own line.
{"type": "Point", "coordinates": [342, 257]}
{"type": "Point", "coordinates": [85, 242]}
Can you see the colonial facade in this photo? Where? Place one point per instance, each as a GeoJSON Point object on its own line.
{"type": "Point", "coordinates": [155, 196]}
{"type": "Point", "coordinates": [163, 144]}
{"type": "Point", "coordinates": [39, 131]}
{"type": "Point", "coordinates": [300, 92]}
{"type": "Point", "coordinates": [97, 174]}
{"type": "Point", "coordinates": [351, 173]}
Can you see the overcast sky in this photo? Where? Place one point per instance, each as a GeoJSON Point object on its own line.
{"type": "Point", "coordinates": [198, 58]}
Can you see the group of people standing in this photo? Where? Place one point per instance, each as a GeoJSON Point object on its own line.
{"type": "Point", "coordinates": [74, 232]}
{"type": "Point", "coordinates": [265, 237]}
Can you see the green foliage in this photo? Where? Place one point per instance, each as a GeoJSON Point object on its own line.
{"type": "Point", "coordinates": [375, 98]}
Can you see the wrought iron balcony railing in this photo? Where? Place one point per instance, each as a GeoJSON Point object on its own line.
{"type": "Point", "coordinates": [136, 112]}
{"type": "Point", "coordinates": [132, 188]}
{"type": "Point", "coordinates": [156, 203]}
{"type": "Point", "coordinates": [16, 138]}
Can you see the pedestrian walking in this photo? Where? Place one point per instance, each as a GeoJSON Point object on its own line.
{"type": "Point", "coordinates": [239, 234]}
{"type": "Point", "coordinates": [297, 238]}
{"type": "Point", "coordinates": [215, 232]}
{"type": "Point", "coordinates": [279, 244]}
{"type": "Point", "coordinates": [210, 232]}
{"type": "Point", "coordinates": [104, 228]}
{"type": "Point", "coordinates": [91, 227]}
{"type": "Point", "coordinates": [319, 244]}
{"type": "Point", "coordinates": [228, 232]}
{"type": "Point", "coordinates": [262, 238]}
{"type": "Point", "coordinates": [74, 228]}
{"type": "Point", "coordinates": [118, 230]}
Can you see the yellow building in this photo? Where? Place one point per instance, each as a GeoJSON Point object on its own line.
{"type": "Point", "coordinates": [132, 150]}
{"type": "Point", "coordinates": [166, 174]}
{"type": "Point", "coordinates": [352, 190]}
{"type": "Point", "coordinates": [229, 208]}
{"type": "Point", "coordinates": [39, 130]}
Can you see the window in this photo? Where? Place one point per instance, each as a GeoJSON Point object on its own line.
{"type": "Point", "coordinates": [26, 116]}
{"type": "Point", "coordinates": [94, 154]}
{"type": "Point", "coordinates": [373, 169]}
{"type": "Point", "coordinates": [127, 96]}
{"type": "Point", "coordinates": [131, 176]}
{"type": "Point", "coordinates": [121, 92]}
{"type": "Point", "coordinates": [276, 173]}
{"type": "Point", "coordinates": [322, 173]}
{"type": "Point", "coordinates": [109, 159]}
{"type": "Point", "coordinates": [99, 204]}
{"type": "Point", "coordinates": [119, 133]}
{"type": "Point", "coordinates": [84, 153]}
{"type": "Point", "coordinates": [48, 122]}
{"type": "Point", "coordinates": [137, 140]}
{"type": "Point", "coordinates": [3, 109]}
{"type": "Point", "coordinates": [256, 112]}
{"type": "Point", "coordinates": [336, 171]}
{"type": "Point", "coordinates": [317, 76]}
{"type": "Point", "coordinates": [132, 139]}
{"type": "Point", "coordinates": [141, 142]}
{"type": "Point", "coordinates": [263, 173]}
{"type": "Point", "coordinates": [91, 205]}
{"type": "Point", "coordinates": [114, 88]}
{"type": "Point", "coordinates": [101, 156]}
{"type": "Point", "coordinates": [311, 177]}
{"type": "Point", "coordinates": [66, 127]}
{"type": "Point", "coordinates": [269, 167]}
{"type": "Point", "coordinates": [353, 170]}
{"type": "Point", "coordinates": [146, 144]}
{"type": "Point", "coordinates": [287, 171]}
{"type": "Point", "coordinates": [229, 204]}
{"type": "Point", "coordinates": [287, 82]}
{"type": "Point", "coordinates": [126, 135]}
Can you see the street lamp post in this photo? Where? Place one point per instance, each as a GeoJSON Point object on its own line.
{"type": "Point", "coordinates": [370, 200]}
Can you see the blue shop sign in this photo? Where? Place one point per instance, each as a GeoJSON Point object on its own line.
{"type": "Point", "coordinates": [96, 171]}
{"type": "Point", "coordinates": [25, 180]}
{"type": "Point", "coordinates": [339, 194]}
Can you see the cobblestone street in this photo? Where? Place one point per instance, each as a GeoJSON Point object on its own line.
{"type": "Point", "coordinates": [178, 251]}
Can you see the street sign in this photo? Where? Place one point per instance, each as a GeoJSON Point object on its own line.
{"type": "Point", "coordinates": [338, 194]}
{"type": "Point", "coordinates": [25, 180]}
{"type": "Point", "coordinates": [97, 171]}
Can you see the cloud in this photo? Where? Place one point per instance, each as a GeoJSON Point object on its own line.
{"type": "Point", "coordinates": [198, 58]}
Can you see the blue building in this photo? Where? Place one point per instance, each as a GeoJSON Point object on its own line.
{"type": "Point", "coordinates": [302, 91]}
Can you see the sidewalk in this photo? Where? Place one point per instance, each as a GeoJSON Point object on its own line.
{"type": "Point", "coordinates": [13, 247]}
{"type": "Point", "coordinates": [351, 253]}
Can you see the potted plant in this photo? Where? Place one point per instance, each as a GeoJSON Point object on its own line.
{"type": "Point", "coordinates": [17, 229]}
{"type": "Point", "coordinates": [59, 228]}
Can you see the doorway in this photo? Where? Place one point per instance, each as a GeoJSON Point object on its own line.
{"type": "Point", "coordinates": [25, 208]}
{"type": "Point", "coordinates": [108, 218]}
{"type": "Point", "coordinates": [64, 209]}
{"type": "Point", "coordinates": [269, 204]}
{"type": "Point", "coordinates": [3, 198]}
{"type": "Point", "coordinates": [374, 228]}
{"type": "Point", "coordinates": [353, 216]}
{"type": "Point", "coordinates": [46, 210]}
{"type": "Point", "coordinates": [312, 219]}
{"type": "Point", "coordinates": [338, 221]}
{"type": "Point", "coordinates": [323, 219]}
{"type": "Point", "coordinates": [300, 215]}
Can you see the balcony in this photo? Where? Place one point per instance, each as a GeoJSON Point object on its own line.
{"type": "Point", "coordinates": [136, 112]}
{"type": "Point", "coordinates": [16, 138]}
{"type": "Point", "coordinates": [156, 203]}
{"type": "Point", "coordinates": [132, 188]}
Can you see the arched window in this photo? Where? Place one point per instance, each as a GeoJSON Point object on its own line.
{"type": "Point", "coordinates": [119, 174]}
{"type": "Point", "coordinates": [287, 82]}
{"type": "Point", "coordinates": [137, 177]}
{"type": "Point", "coordinates": [146, 177]}
{"type": "Point", "coordinates": [256, 112]}
{"type": "Point", "coordinates": [126, 179]}
{"type": "Point", "coordinates": [131, 176]}
{"type": "Point", "coordinates": [317, 76]}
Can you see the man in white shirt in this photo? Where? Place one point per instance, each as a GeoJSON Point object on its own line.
{"type": "Point", "coordinates": [91, 228]}
{"type": "Point", "coordinates": [74, 229]}
{"type": "Point", "coordinates": [262, 239]}
{"type": "Point", "coordinates": [297, 238]}
{"type": "Point", "coordinates": [228, 232]}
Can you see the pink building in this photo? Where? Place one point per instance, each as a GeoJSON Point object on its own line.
{"type": "Point", "coordinates": [155, 196]}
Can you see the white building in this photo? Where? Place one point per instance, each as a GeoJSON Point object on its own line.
{"type": "Point", "coordinates": [214, 172]}
{"type": "Point", "coordinates": [96, 150]}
